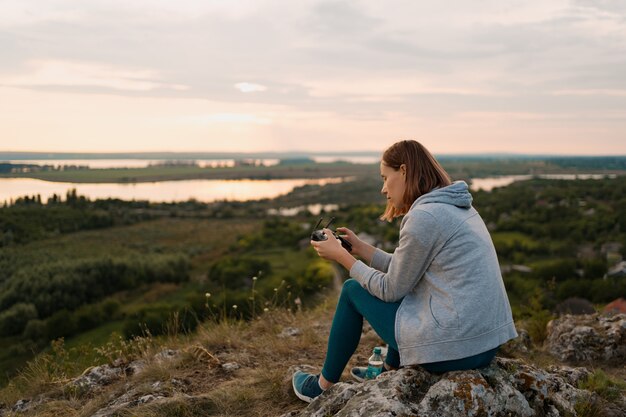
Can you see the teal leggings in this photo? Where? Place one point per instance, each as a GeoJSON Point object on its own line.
{"type": "Point", "coordinates": [356, 303]}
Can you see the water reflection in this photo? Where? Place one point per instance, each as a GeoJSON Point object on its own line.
{"type": "Point", "coordinates": [144, 163]}
{"type": "Point", "coordinates": [314, 209]}
{"type": "Point", "coordinates": [488, 184]}
{"type": "Point", "coordinates": [166, 191]}
{"type": "Point", "coordinates": [347, 158]}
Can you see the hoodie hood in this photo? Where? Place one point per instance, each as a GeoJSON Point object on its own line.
{"type": "Point", "coordinates": [456, 194]}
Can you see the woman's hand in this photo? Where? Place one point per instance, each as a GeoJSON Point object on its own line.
{"type": "Point", "coordinates": [359, 248]}
{"type": "Point", "coordinates": [331, 249]}
{"type": "Point", "coordinates": [351, 237]}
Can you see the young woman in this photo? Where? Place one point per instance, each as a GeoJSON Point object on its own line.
{"type": "Point", "coordinates": [438, 300]}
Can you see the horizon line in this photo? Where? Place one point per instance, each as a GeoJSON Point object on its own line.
{"type": "Point", "coordinates": [50, 154]}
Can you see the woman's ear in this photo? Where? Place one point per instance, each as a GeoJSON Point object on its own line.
{"type": "Point", "coordinates": [403, 170]}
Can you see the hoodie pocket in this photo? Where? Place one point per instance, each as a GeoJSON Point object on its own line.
{"type": "Point", "coordinates": [443, 312]}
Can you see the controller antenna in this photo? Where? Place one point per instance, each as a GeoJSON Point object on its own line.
{"type": "Point", "coordinates": [332, 219]}
{"type": "Point", "coordinates": [318, 223]}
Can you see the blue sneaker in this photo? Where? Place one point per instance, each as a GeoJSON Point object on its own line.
{"type": "Point", "coordinates": [306, 386]}
{"type": "Point", "coordinates": [359, 372]}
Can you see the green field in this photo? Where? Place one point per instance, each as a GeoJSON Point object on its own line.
{"type": "Point", "coordinates": [458, 168]}
{"type": "Point", "coordinates": [173, 173]}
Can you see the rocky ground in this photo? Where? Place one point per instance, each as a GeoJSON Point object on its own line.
{"type": "Point", "coordinates": [509, 387]}
{"type": "Point", "coordinates": [224, 372]}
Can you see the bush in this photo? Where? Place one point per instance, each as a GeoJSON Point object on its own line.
{"type": "Point", "coordinates": [594, 268]}
{"type": "Point", "coordinates": [13, 320]}
{"type": "Point", "coordinates": [36, 330]}
{"type": "Point", "coordinates": [237, 273]}
{"type": "Point", "coordinates": [61, 324]}
{"type": "Point", "coordinates": [88, 317]}
{"type": "Point", "coordinates": [71, 284]}
{"type": "Point", "coordinates": [318, 274]}
{"type": "Point", "coordinates": [600, 383]}
{"type": "Point", "coordinates": [537, 318]}
{"type": "Point", "coordinates": [110, 308]}
{"type": "Point", "coordinates": [160, 319]}
{"type": "Point", "coordinates": [559, 269]}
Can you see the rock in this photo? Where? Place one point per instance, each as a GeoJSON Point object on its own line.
{"type": "Point", "coordinates": [97, 376]}
{"type": "Point", "coordinates": [573, 376]}
{"type": "Point", "coordinates": [135, 367]}
{"type": "Point", "coordinates": [521, 343]}
{"type": "Point", "coordinates": [166, 355]}
{"type": "Point", "coordinates": [22, 406]}
{"type": "Point", "coordinates": [508, 387]}
{"type": "Point", "coordinates": [290, 332]}
{"type": "Point", "coordinates": [230, 366]}
{"type": "Point", "coordinates": [586, 338]}
{"type": "Point", "coordinates": [123, 404]}
{"type": "Point", "coordinates": [147, 399]}
{"type": "Point", "coordinates": [574, 305]}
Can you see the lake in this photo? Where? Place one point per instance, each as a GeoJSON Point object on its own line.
{"type": "Point", "coordinates": [488, 184]}
{"type": "Point", "coordinates": [166, 191]}
{"type": "Point", "coordinates": [215, 190]}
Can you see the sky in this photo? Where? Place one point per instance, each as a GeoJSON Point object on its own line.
{"type": "Point", "coordinates": [460, 76]}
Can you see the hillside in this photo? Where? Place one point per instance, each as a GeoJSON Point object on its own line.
{"type": "Point", "coordinates": [107, 282]}
{"type": "Point", "coordinates": [236, 368]}
{"type": "Point", "coordinates": [232, 368]}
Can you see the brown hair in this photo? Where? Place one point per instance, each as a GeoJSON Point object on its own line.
{"type": "Point", "coordinates": [423, 173]}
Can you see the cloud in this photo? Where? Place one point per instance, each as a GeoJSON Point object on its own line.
{"type": "Point", "coordinates": [250, 87]}
{"type": "Point", "coordinates": [56, 73]}
{"type": "Point", "coordinates": [233, 118]}
{"type": "Point", "coordinates": [394, 63]}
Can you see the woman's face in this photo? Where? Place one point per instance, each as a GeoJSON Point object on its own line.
{"type": "Point", "coordinates": [394, 182]}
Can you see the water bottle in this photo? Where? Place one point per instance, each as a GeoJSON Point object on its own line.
{"type": "Point", "coordinates": [374, 364]}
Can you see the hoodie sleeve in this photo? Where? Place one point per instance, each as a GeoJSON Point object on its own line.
{"type": "Point", "coordinates": [381, 260]}
{"type": "Point", "coordinates": [417, 249]}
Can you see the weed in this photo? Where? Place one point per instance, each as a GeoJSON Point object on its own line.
{"type": "Point", "coordinates": [538, 318]}
{"type": "Point", "coordinates": [119, 348]}
{"type": "Point", "coordinates": [603, 385]}
{"type": "Point", "coordinates": [588, 408]}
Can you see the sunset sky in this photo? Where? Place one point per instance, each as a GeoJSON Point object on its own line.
{"type": "Point", "coordinates": [461, 76]}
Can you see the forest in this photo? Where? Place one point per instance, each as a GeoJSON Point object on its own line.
{"type": "Point", "coordinates": [82, 270]}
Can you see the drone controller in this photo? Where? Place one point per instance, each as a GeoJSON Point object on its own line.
{"type": "Point", "coordinates": [319, 235]}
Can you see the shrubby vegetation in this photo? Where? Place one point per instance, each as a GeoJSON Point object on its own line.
{"type": "Point", "coordinates": [553, 232]}
{"type": "Point", "coordinates": [558, 229]}
{"type": "Point", "coordinates": [55, 291]}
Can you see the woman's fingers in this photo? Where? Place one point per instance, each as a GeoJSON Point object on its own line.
{"type": "Point", "coordinates": [346, 232]}
{"type": "Point", "coordinates": [329, 234]}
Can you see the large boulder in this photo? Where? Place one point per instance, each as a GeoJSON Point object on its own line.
{"type": "Point", "coordinates": [508, 387]}
{"type": "Point", "coordinates": [587, 338]}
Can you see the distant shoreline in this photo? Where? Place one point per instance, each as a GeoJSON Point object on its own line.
{"type": "Point", "coordinates": [457, 168]}
{"type": "Point", "coordinates": [22, 155]}
{"type": "Point", "coordinates": [179, 173]}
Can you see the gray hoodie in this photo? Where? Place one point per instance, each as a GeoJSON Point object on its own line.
{"type": "Point", "coordinates": [446, 272]}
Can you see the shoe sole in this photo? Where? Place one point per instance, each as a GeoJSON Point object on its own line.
{"type": "Point", "coordinates": [357, 378]}
{"type": "Point", "coordinates": [301, 396]}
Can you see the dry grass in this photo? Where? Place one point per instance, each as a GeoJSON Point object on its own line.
{"type": "Point", "coordinates": [261, 386]}
{"type": "Point", "coordinates": [59, 408]}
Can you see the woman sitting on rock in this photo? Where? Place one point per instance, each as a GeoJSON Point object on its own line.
{"type": "Point", "coordinates": [438, 300]}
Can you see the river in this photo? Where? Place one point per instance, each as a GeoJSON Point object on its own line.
{"type": "Point", "coordinates": [165, 191]}
{"type": "Point", "coordinates": [212, 190]}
